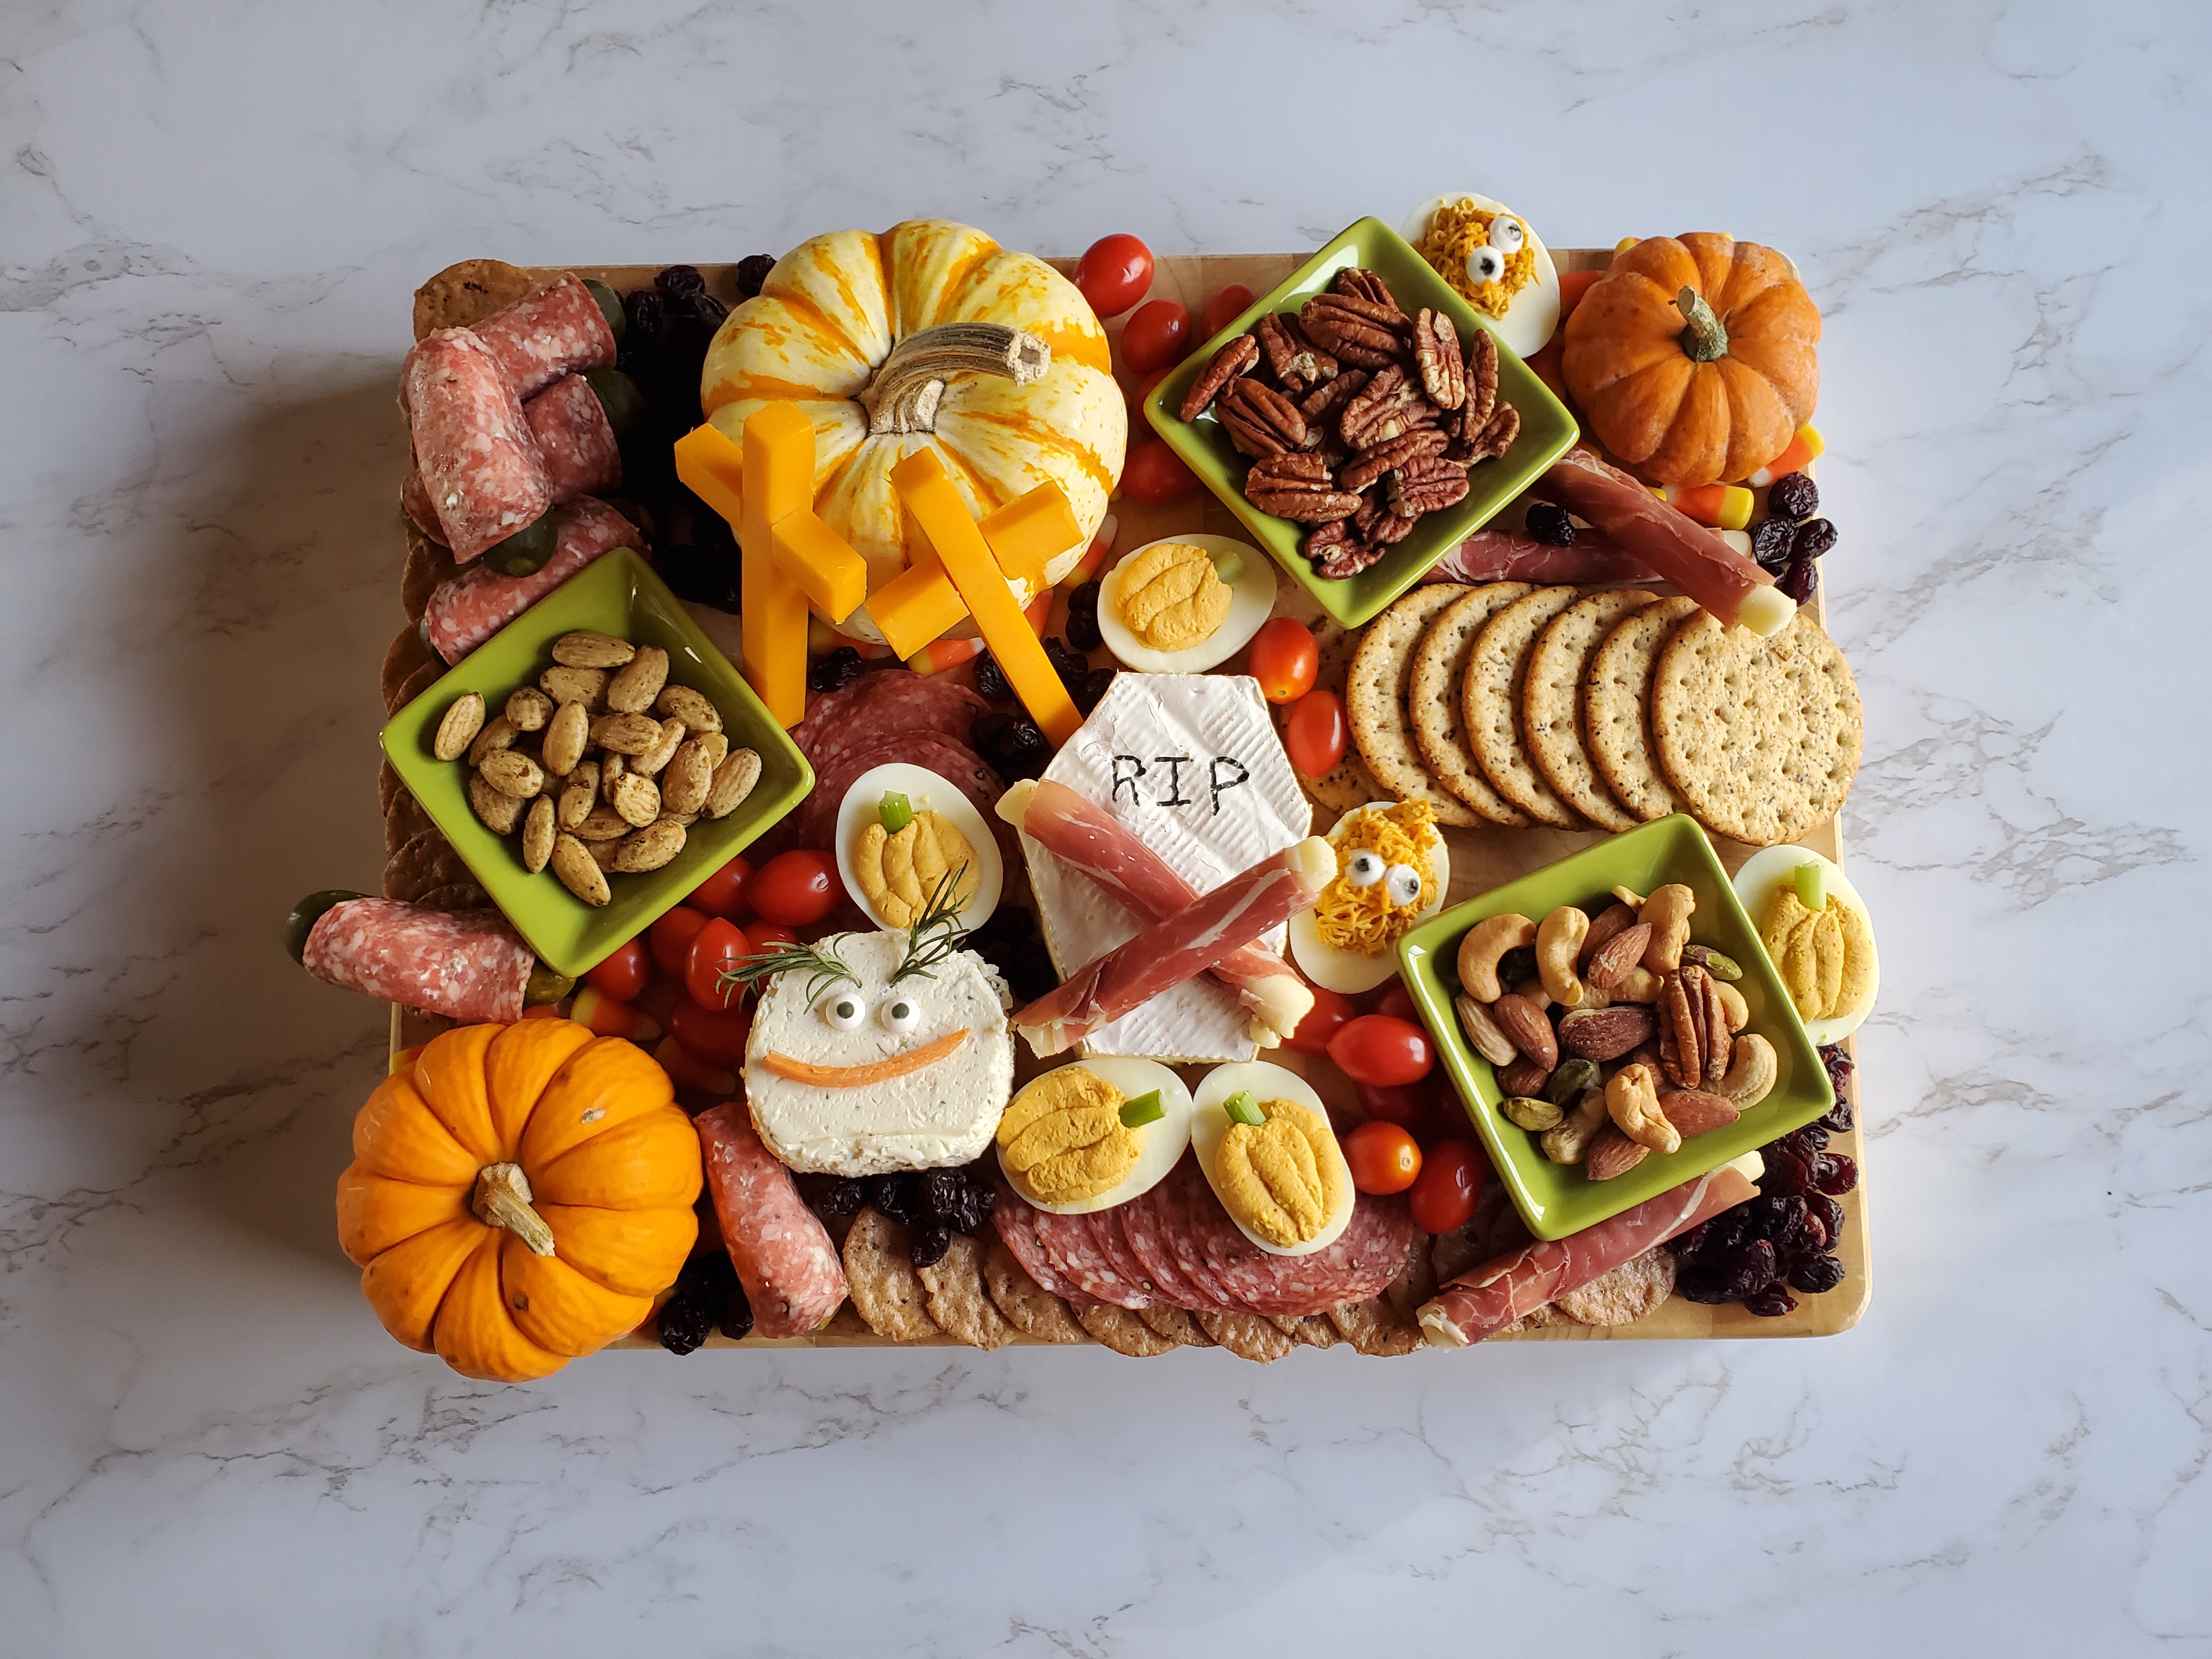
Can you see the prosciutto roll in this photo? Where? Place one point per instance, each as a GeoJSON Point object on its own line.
{"type": "Point", "coordinates": [551, 330]}
{"type": "Point", "coordinates": [783, 1254]}
{"type": "Point", "coordinates": [1095, 841]}
{"type": "Point", "coordinates": [481, 471]}
{"type": "Point", "coordinates": [1487, 1300]}
{"type": "Point", "coordinates": [1208, 930]}
{"type": "Point", "coordinates": [1675, 547]}
{"type": "Point", "coordinates": [1504, 556]}
{"type": "Point", "coordinates": [464, 612]}
{"type": "Point", "coordinates": [465, 964]}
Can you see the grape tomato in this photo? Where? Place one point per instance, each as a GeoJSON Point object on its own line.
{"type": "Point", "coordinates": [1445, 1192]}
{"type": "Point", "coordinates": [625, 971]}
{"type": "Point", "coordinates": [714, 1034]}
{"type": "Point", "coordinates": [1226, 306]}
{"type": "Point", "coordinates": [1322, 1021]}
{"type": "Point", "coordinates": [670, 938]}
{"type": "Point", "coordinates": [1317, 733]}
{"type": "Point", "coordinates": [1383, 1156]}
{"type": "Point", "coordinates": [1156, 476]}
{"type": "Point", "coordinates": [1284, 660]}
{"type": "Point", "coordinates": [718, 947]}
{"type": "Point", "coordinates": [1114, 273]}
{"type": "Point", "coordinates": [1382, 1049]}
{"type": "Point", "coordinates": [723, 893]}
{"type": "Point", "coordinates": [1158, 334]}
{"type": "Point", "coordinates": [795, 888]}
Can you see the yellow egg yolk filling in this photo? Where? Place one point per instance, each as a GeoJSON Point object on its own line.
{"type": "Point", "coordinates": [1825, 958]}
{"type": "Point", "coordinates": [1063, 1137]}
{"type": "Point", "coordinates": [1282, 1179]}
{"type": "Point", "coordinates": [898, 872]}
{"type": "Point", "coordinates": [1172, 598]}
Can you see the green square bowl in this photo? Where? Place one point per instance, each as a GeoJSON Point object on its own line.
{"type": "Point", "coordinates": [1556, 1200]}
{"type": "Point", "coordinates": [1547, 430]}
{"type": "Point", "coordinates": [617, 594]}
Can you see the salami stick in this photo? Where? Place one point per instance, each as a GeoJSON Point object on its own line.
{"type": "Point", "coordinates": [481, 469]}
{"type": "Point", "coordinates": [784, 1256]}
{"type": "Point", "coordinates": [576, 444]}
{"type": "Point", "coordinates": [465, 964]}
{"type": "Point", "coordinates": [464, 612]}
{"type": "Point", "coordinates": [554, 329]}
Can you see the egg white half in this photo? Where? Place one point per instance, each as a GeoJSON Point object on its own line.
{"type": "Point", "coordinates": [1164, 1138]}
{"type": "Point", "coordinates": [1346, 971]}
{"type": "Point", "coordinates": [1251, 597]}
{"type": "Point", "coordinates": [1772, 867]}
{"type": "Point", "coordinates": [1526, 328]}
{"type": "Point", "coordinates": [1209, 1125]}
{"type": "Point", "coordinates": [925, 789]}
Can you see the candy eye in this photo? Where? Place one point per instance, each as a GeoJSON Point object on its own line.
{"type": "Point", "coordinates": [843, 1011]}
{"type": "Point", "coordinates": [1405, 884]}
{"type": "Point", "coordinates": [1485, 264]}
{"type": "Point", "coordinates": [1364, 868]}
{"type": "Point", "coordinates": [899, 1016]}
{"type": "Point", "coordinates": [1506, 234]}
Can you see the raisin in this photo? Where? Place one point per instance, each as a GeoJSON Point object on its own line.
{"type": "Point", "coordinates": [737, 1321]}
{"type": "Point", "coordinates": [842, 1199]}
{"type": "Point", "coordinates": [1800, 578]}
{"type": "Point", "coordinates": [1771, 1302]}
{"type": "Point", "coordinates": [1837, 1063]}
{"type": "Point", "coordinates": [1810, 1138]}
{"type": "Point", "coordinates": [1786, 1172]}
{"type": "Point", "coordinates": [703, 577]}
{"type": "Point", "coordinates": [649, 317]}
{"type": "Point", "coordinates": [983, 1190]}
{"type": "Point", "coordinates": [1781, 1219]}
{"type": "Point", "coordinates": [1816, 1275]}
{"type": "Point", "coordinates": [682, 1324]}
{"type": "Point", "coordinates": [1793, 495]}
{"type": "Point", "coordinates": [835, 671]}
{"type": "Point", "coordinates": [1838, 1120]}
{"type": "Point", "coordinates": [1082, 617]}
{"type": "Point", "coordinates": [968, 1216]}
{"type": "Point", "coordinates": [941, 1192]}
{"type": "Point", "coordinates": [1066, 662]}
{"type": "Point", "coordinates": [677, 281]}
{"type": "Point", "coordinates": [931, 1240]}
{"type": "Point", "coordinates": [1010, 745]}
{"type": "Point", "coordinates": [1550, 524]}
{"type": "Point", "coordinates": [1518, 964]}
{"type": "Point", "coordinates": [1770, 545]}
{"type": "Point", "coordinates": [1836, 1174]}
{"type": "Point", "coordinates": [752, 273]}
{"type": "Point", "coordinates": [991, 682]}
{"type": "Point", "coordinates": [1814, 538]}
{"type": "Point", "coordinates": [1750, 1267]}
{"type": "Point", "coordinates": [1828, 1216]}
{"type": "Point", "coordinates": [894, 1196]}
{"type": "Point", "coordinates": [705, 308]}
{"type": "Point", "coordinates": [1088, 689]}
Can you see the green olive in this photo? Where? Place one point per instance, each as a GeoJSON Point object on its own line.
{"type": "Point", "coordinates": [309, 911]}
{"type": "Point", "coordinates": [618, 395]}
{"type": "Point", "coordinates": [546, 986]}
{"type": "Point", "coordinates": [525, 552]}
{"type": "Point", "coordinates": [610, 305]}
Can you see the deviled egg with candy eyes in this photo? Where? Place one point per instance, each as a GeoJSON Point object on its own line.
{"type": "Point", "coordinates": [1263, 1139]}
{"type": "Point", "coordinates": [1494, 262]}
{"type": "Point", "coordinates": [902, 831]}
{"type": "Point", "coordinates": [1086, 1137]}
{"type": "Point", "coordinates": [1818, 934]}
{"type": "Point", "coordinates": [1185, 605]}
{"type": "Point", "coordinates": [1392, 869]}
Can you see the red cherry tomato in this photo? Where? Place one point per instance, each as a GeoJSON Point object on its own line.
{"type": "Point", "coordinates": [1317, 732]}
{"type": "Point", "coordinates": [670, 937]}
{"type": "Point", "coordinates": [624, 972]}
{"type": "Point", "coordinates": [1444, 1192]}
{"type": "Point", "coordinates": [1143, 390]}
{"type": "Point", "coordinates": [1154, 475]}
{"type": "Point", "coordinates": [1383, 1156]}
{"type": "Point", "coordinates": [1226, 306]}
{"type": "Point", "coordinates": [795, 888]}
{"type": "Point", "coordinates": [718, 1036]}
{"type": "Point", "coordinates": [719, 946]}
{"type": "Point", "coordinates": [1383, 1049]}
{"type": "Point", "coordinates": [770, 936]}
{"type": "Point", "coordinates": [1158, 333]}
{"type": "Point", "coordinates": [723, 893]}
{"type": "Point", "coordinates": [1405, 1104]}
{"type": "Point", "coordinates": [1284, 660]}
{"type": "Point", "coordinates": [1398, 1002]}
{"type": "Point", "coordinates": [1114, 273]}
{"type": "Point", "coordinates": [1448, 1118]}
{"type": "Point", "coordinates": [1322, 1021]}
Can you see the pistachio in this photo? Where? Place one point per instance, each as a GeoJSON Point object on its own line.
{"type": "Point", "coordinates": [1716, 963]}
{"type": "Point", "coordinates": [1568, 1082]}
{"type": "Point", "coordinates": [1534, 1115]}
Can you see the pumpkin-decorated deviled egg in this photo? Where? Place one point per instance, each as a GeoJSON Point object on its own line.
{"type": "Point", "coordinates": [902, 830]}
{"type": "Point", "coordinates": [1494, 262]}
{"type": "Point", "coordinates": [1185, 605]}
{"type": "Point", "coordinates": [1816, 929]}
{"type": "Point", "coordinates": [1263, 1139]}
{"type": "Point", "coordinates": [1392, 869]}
{"type": "Point", "coordinates": [1086, 1137]}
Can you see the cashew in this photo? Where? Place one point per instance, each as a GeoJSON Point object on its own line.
{"type": "Point", "coordinates": [1629, 896]}
{"type": "Point", "coordinates": [1568, 1142]}
{"type": "Point", "coordinates": [1738, 1011]}
{"type": "Point", "coordinates": [1483, 1033]}
{"type": "Point", "coordinates": [1486, 942]}
{"type": "Point", "coordinates": [1668, 911]}
{"type": "Point", "coordinates": [1558, 940]}
{"type": "Point", "coordinates": [1534, 990]}
{"type": "Point", "coordinates": [1605, 926]}
{"type": "Point", "coordinates": [1752, 1072]}
{"type": "Point", "coordinates": [1632, 1100]}
{"type": "Point", "coordinates": [1639, 984]}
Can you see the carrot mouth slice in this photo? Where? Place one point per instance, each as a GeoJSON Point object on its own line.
{"type": "Point", "coordinates": [874, 1071]}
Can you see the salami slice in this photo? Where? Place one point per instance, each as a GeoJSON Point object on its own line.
{"type": "Point", "coordinates": [1181, 1200]}
{"type": "Point", "coordinates": [466, 965]}
{"type": "Point", "coordinates": [1143, 1229]}
{"type": "Point", "coordinates": [1370, 1254]}
{"type": "Point", "coordinates": [1016, 1221]}
{"type": "Point", "coordinates": [893, 702]}
{"type": "Point", "coordinates": [480, 465]}
{"type": "Point", "coordinates": [464, 612]}
{"type": "Point", "coordinates": [574, 439]}
{"type": "Point", "coordinates": [1114, 1245]}
{"type": "Point", "coordinates": [1077, 1256]}
{"type": "Point", "coordinates": [784, 1257]}
{"type": "Point", "coordinates": [551, 330]}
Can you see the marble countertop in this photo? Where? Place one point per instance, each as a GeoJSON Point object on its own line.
{"type": "Point", "coordinates": [214, 220]}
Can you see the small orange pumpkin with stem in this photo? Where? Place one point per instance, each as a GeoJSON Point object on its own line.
{"type": "Point", "coordinates": [519, 1196]}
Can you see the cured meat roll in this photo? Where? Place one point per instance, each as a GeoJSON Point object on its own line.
{"type": "Point", "coordinates": [481, 469]}
{"type": "Point", "coordinates": [464, 612]}
{"type": "Point", "coordinates": [551, 330]}
{"type": "Point", "coordinates": [783, 1253]}
{"type": "Point", "coordinates": [1487, 1300]}
{"type": "Point", "coordinates": [465, 964]}
{"type": "Point", "coordinates": [1095, 841]}
{"type": "Point", "coordinates": [576, 444]}
{"type": "Point", "coordinates": [1186, 943]}
{"type": "Point", "coordinates": [1504, 556]}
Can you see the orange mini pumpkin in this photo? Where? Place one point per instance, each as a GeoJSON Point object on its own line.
{"type": "Point", "coordinates": [1694, 357]}
{"type": "Point", "coordinates": [519, 1195]}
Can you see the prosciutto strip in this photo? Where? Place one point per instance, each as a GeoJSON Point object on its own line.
{"type": "Point", "coordinates": [1486, 1301]}
{"type": "Point", "coordinates": [1677, 549]}
{"type": "Point", "coordinates": [1506, 555]}
{"type": "Point", "coordinates": [1183, 945]}
{"type": "Point", "coordinates": [1095, 841]}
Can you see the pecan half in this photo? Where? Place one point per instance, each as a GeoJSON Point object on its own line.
{"type": "Point", "coordinates": [1297, 485]}
{"type": "Point", "coordinates": [1495, 438]}
{"type": "Point", "coordinates": [1371, 463]}
{"type": "Point", "coordinates": [1322, 404]}
{"type": "Point", "coordinates": [1683, 1027]}
{"type": "Point", "coordinates": [1377, 523]}
{"type": "Point", "coordinates": [1238, 357]}
{"type": "Point", "coordinates": [1427, 485]}
{"type": "Point", "coordinates": [1356, 331]}
{"type": "Point", "coordinates": [1386, 406]}
{"type": "Point", "coordinates": [1436, 352]}
{"type": "Point", "coordinates": [1295, 360]}
{"type": "Point", "coordinates": [1260, 419]}
{"type": "Point", "coordinates": [1366, 285]}
{"type": "Point", "coordinates": [1481, 357]}
{"type": "Point", "coordinates": [1348, 559]}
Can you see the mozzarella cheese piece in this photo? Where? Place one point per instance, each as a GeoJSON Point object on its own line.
{"type": "Point", "coordinates": [942, 1113]}
{"type": "Point", "coordinates": [1191, 765]}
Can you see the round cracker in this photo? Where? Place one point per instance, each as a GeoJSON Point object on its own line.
{"type": "Point", "coordinates": [1176, 1324]}
{"type": "Point", "coordinates": [1375, 1327]}
{"type": "Point", "coordinates": [1617, 708]}
{"type": "Point", "coordinates": [1492, 696]}
{"type": "Point", "coordinates": [1551, 701]}
{"type": "Point", "coordinates": [1438, 712]}
{"type": "Point", "coordinates": [429, 568]}
{"type": "Point", "coordinates": [1313, 1330]}
{"type": "Point", "coordinates": [425, 862]}
{"type": "Point", "coordinates": [1348, 783]}
{"type": "Point", "coordinates": [958, 1299]}
{"type": "Point", "coordinates": [1635, 1288]}
{"type": "Point", "coordinates": [456, 896]}
{"type": "Point", "coordinates": [1033, 1311]}
{"type": "Point", "coordinates": [879, 1275]}
{"type": "Point", "coordinates": [466, 294]}
{"type": "Point", "coordinates": [1762, 738]}
{"type": "Point", "coordinates": [1249, 1336]}
{"type": "Point", "coordinates": [404, 660]}
{"type": "Point", "coordinates": [404, 820]}
{"type": "Point", "coordinates": [1123, 1331]}
{"type": "Point", "coordinates": [1376, 693]}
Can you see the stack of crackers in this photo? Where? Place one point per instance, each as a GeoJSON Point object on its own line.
{"type": "Point", "coordinates": [1577, 708]}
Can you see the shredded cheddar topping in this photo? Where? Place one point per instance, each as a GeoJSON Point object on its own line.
{"type": "Point", "coordinates": [1456, 230]}
{"type": "Point", "coordinates": [1364, 921]}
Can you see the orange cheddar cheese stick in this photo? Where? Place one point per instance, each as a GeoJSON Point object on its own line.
{"type": "Point", "coordinates": [1717, 506]}
{"type": "Point", "coordinates": [779, 481]}
{"type": "Point", "coordinates": [941, 655]}
{"type": "Point", "coordinates": [920, 603]}
{"type": "Point", "coordinates": [1804, 449]}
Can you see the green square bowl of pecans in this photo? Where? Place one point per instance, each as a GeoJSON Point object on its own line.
{"type": "Point", "coordinates": [617, 595]}
{"type": "Point", "coordinates": [1558, 1199]}
{"type": "Point", "coordinates": [1547, 430]}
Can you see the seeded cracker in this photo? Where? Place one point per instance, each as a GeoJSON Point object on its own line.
{"type": "Point", "coordinates": [879, 1272]}
{"type": "Point", "coordinates": [958, 1301]}
{"type": "Point", "coordinates": [1624, 1295]}
{"type": "Point", "coordinates": [1350, 784]}
{"type": "Point", "coordinates": [1176, 1324]}
{"type": "Point", "coordinates": [1375, 692]}
{"type": "Point", "coordinates": [1033, 1310]}
{"type": "Point", "coordinates": [1551, 701]}
{"type": "Point", "coordinates": [1123, 1331]}
{"type": "Point", "coordinates": [1248, 1336]}
{"type": "Point", "coordinates": [1495, 671]}
{"type": "Point", "coordinates": [467, 292]}
{"type": "Point", "coordinates": [429, 566]}
{"type": "Point", "coordinates": [1438, 709]}
{"type": "Point", "coordinates": [1617, 709]}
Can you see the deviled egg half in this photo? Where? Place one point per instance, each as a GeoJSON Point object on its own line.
{"type": "Point", "coordinates": [1089, 1136]}
{"type": "Point", "coordinates": [1185, 605]}
{"type": "Point", "coordinates": [1263, 1139]}
{"type": "Point", "coordinates": [1392, 870]}
{"type": "Point", "coordinates": [1823, 951]}
{"type": "Point", "coordinates": [1493, 261]}
{"type": "Point", "coordinates": [902, 830]}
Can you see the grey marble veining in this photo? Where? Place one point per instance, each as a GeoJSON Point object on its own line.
{"type": "Point", "coordinates": [211, 221]}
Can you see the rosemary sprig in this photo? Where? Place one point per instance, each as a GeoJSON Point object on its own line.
{"type": "Point", "coordinates": [820, 962]}
{"type": "Point", "coordinates": [936, 933]}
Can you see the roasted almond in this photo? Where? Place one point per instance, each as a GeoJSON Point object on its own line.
{"type": "Point", "coordinates": [500, 810]}
{"type": "Point", "coordinates": [651, 846]}
{"type": "Point", "coordinates": [1606, 1034]}
{"type": "Point", "coordinates": [604, 852]}
{"type": "Point", "coordinates": [1625, 951]}
{"type": "Point", "coordinates": [1531, 1033]}
{"type": "Point", "coordinates": [537, 833]}
{"type": "Point", "coordinates": [528, 709]}
{"type": "Point", "coordinates": [585, 685]}
{"type": "Point", "coordinates": [733, 781]}
{"type": "Point", "coordinates": [566, 733]}
{"type": "Point", "coordinates": [1607, 924]}
{"type": "Point", "coordinates": [1523, 1077]}
{"type": "Point", "coordinates": [633, 690]}
{"type": "Point", "coordinates": [611, 768]}
{"type": "Point", "coordinates": [717, 745]}
{"type": "Point", "coordinates": [1695, 1111]}
{"type": "Point", "coordinates": [586, 648]}
{"type": "Point", "coordinates": [579, 793]}
{"type": "Point", "coordinates": [690, 707]}
{"type": "Point", "coordinates": [1484, 1035]}
{"type": "Point", "coordinates": [579, 872]}
{"type": "Point", "coordinates": [683, 786]}
{"type": "Point", "coordinates": [498, 735]}
{"type": "Point", "coordinates": [463, 719]}
{"type": "Point", "coordinates": [625, 734]}
{"type": "Point", "coordinates": [513, 775]}
{"type": "Point", "coordinates": [637, 799]}
{"type": "Point", "coordinates": [673, 731]}
{"type": "Point", "coordinates": [1612, 1154]}
{"type": "Point", "coordinates": [602, 822]}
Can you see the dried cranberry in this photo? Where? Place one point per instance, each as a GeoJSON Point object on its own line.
{"type": "Point", "coordinates": [648, 315]}
{"type": "Point", "coordinates": [1816, 1275]}
{"type": "Point", "coordinates": [1780, 1218]}
{"type": "Point", "coordinates": [931, 1240]}
{"type": "Point", "coordinates": [677, 281]}
{"type": "Point", "coordinates": [1751, 1267]}
{"type": "Point", "coordinates": [991, 682]}
{"type": "Point", "coordinates": [1786, 1172]}
{"type": "Point", "coordinates": [1082, 617]}
{"type": "Point", "coordinates": [1828, 1216]}
{"type": "Point", "coordinates": [1770, 545]}
{"type": "Point", "coordinates": [1550, 524]}
{"type": "Point", "coordinates": [1089, 688]}
{"type": "Point", "coordinates": [1793, 495]}
{"type": "Point", "coordinates": [983, 1190]}
{"type": "Point", "coordinates": [842, 1199]}
{"type": "Point", "coordinates": [835, 671]}
{"type": "Point", "coordinates": [1800, 578]}
{"type": "Point", "coordinates": [940, 1191]}
{"type": "Point", "coordinates": [1010, 745]}
{"type": "Point", "coordinates": [752, 272]}
{"type": "Point", "coordinates": [706, 309]}
{"type": "Point", "coordinates": [1813, 1138]}
{"type": "Point", "coordinates": [682, 1324]}
{"type": "Point", "coordinates": [1066, 662]}
{"type": "Point", "coordinates": [1771, 1302]}
{"type": "Point", "coordinates": [1838, 1119]}
{"type": "Point", "coordinates": [1836, 1174]}
{"type": "Point", "coordinates": [1814, 538]}
{"type": "Point", "coordinates": [1702, 1284]}
{"type": "Point", "coordinates": [893, 1196]}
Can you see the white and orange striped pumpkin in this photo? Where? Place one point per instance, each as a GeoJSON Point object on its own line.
{"type": "Point", "coordinates": [875, 338]}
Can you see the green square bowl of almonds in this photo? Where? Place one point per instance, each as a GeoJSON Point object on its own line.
{"type": "Point", "coordinates": [1547, 431]}
{"type": "Point", "coordinates": [619, 598]}
{"type": "Point", "coordinates": [1557, 1198]}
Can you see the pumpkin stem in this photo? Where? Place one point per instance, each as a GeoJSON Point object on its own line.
{"type": "Point", "coordinates": [904, 394]}
{"type": "Point", "coordinates": [1704, 338]}
{"type": "Point", "coordinates": [502, 1200]}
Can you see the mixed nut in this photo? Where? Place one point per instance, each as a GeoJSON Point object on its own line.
{"type": "Point", "coordinates": [603, 765]}
{"type": "Point", "coordinates": [1554, 1005]}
